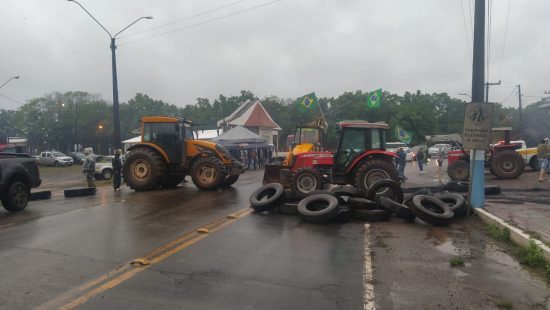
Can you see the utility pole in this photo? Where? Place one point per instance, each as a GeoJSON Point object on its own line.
{"type": "Point", "coordinates": [520, 114]}
{"type": "Point", "coordinates": [487, 89]}
{"type": "Point", "coordinates": [477, 157]}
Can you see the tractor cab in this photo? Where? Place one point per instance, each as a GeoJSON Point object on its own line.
{"type": "Point", "coordinates": [358, 143]}
{"type": "Point", "coordinates": [168, 135]}
{"type": "Point", "coordinates": [308, 137]}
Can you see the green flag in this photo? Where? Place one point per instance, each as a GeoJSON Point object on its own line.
{"type": "Point", "coordinates": [373, 101]}
{"type": "Point", "coordinates": [403, 135]}
{"type": "Point", "coordinates": [307, 102]}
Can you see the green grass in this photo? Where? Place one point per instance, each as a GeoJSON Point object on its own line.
{"type": "Point", "coordinates": [531, 255]}
{"type": "Point", "coordinates": [456, 262]}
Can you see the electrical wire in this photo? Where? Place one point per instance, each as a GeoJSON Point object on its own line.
{"type": "Point", "coordinates": [11, 99]}
{"type": "Point", "coordinates": [504, 41]}
{"type": "Point", "coordinates": [510, 95]}
{"type": "Point", "coordinates": [184, 19]}
{"type": "Point", "coordinates": [204, 22]}
{"type": "Point", "coordinates": [468, 49]}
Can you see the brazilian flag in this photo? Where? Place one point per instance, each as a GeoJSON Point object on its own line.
{"type": "Point", "coordinates": [403, 135]}
{"type": "Point", "coordinates": [374, 98]}
{"type": "Point", "coordinates": [307, 102]}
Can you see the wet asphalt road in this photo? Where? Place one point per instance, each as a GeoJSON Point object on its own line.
{"type": "Point", "coordinates": [76, 253]}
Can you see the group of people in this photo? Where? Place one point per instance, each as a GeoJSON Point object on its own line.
{"type": "Point", "coordinates": [256, 158]}
{"type": "Point", "coordinates": [88, 167]}
{"type": "Point", "coordinates": [421, 159]}
{"type": "Point", "coordinates": [543, 155]}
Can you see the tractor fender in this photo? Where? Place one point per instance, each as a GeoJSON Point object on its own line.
{"type": "Point", "coordinates": [152, 146]}
{"type": "Point", "coordinates": [312, 159]}
{"type": "Point", "coordinates": [388, 156]}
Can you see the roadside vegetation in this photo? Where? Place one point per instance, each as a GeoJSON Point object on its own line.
{"type": "Point", "coordinates": [531, 255]}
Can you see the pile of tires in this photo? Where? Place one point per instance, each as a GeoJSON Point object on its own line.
{"type": "Point", "coordinates": [384, 200]}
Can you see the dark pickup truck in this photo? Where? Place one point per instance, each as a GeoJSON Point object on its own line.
{"type": "Point", "coordinates": [18, 174]}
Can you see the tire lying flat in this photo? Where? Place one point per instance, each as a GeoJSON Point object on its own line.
{"type": "Point", "coordinates": [41, 195]}
{"type": "Point", "coordinates": [273, 194]}
{"type": "Point", "coordinates": [376, 191]}
{"type": "Point", "coordinates": [431, 210]}
{"type": "Point", "coordinates": [318, 208]}
{"type": "Point", "coordinates": [456, 202]}
{"type": "Point", "coordinates": [79, 192]}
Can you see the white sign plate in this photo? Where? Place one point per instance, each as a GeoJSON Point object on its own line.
{"type": "Point", "coordinates": [478, 119]}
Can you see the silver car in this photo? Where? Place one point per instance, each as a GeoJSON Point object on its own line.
{"type": "Point", "coordinates": [54, 158]}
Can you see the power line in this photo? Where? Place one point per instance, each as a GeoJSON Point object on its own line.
{"type": "Point", "coordinates": [510, 95]}
{"type": "Point", "coordinates": [11, 99]}
{"type": "Point", "coordinates": [204, 22]}
{"type": "Point", "coordinates": [184, 19]}
{"type": "Point", "coordinates": [504, 41]}
{"type": "Point", "coordinates": [466, 32]}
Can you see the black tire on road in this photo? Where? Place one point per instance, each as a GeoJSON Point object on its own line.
{"type": "Point", "coordinates": [17, 197]}
{"type": "Point", "coordinates": [348, 191]}
{"type": "Point", "coordinates": [492, 189]}
{"type": "Point", "coordinates": [408, 198]}
{"type": "Point", "coordinates": [230, 180]}
{"type": "Point", "coordinates": [377, 215]}
{"type": "Point", "coordinates": [144, 169]}
{"type": "Point", "coordinates": [457, 186]}
{"type": "Point", "coordinates": [372, 171]}
{"type": "Point", "coordinates": [207, 173]}
{"type": "Point", "coordinates": [79, 192]}
{"type": "Point", "coordinates": [107, 174]}
{"type": "Point", "coordinates": [456, 202]}
{"type": "Point", "coordinates": [305, 180]}
{"type": "Point", "coordinates": [41, 195]}
{"type": "Point", "coordinates": [431, 210]}
{"type": "Point", "coordinates": [267, 197]}
{"type": "Point", "coordinates": [343, 215]}
{"type": "Point", "coordinates": [459, 170]}
{"type": "Point", "coordinates": [318, 208]}
{"type": "Point", "coordinates": [391, 188]}
{"type": "Point", "coordinates": [362, 203]}
{"type": "Point", "coordinates": [56, 163]}
{"type": "Point", "coordinates": [290, 208]}
{"type": "Point", "coordinates": [507, 164]}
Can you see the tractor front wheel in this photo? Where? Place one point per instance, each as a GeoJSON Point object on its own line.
{"type": "Point", "coordinates": [507, 165]}
{"type": "Point", "coordinates": [304, 181]}
{"type": "Point", "coordinates": [207, 173]}
{"type": "Point", "coordinates": [144, 169]}
{"type": "Point", "coordinates": [372, 171]}
{"type": "Point", "coordinates": [534, 163]}
{"type": "Point", "coordinates": [459, 171]}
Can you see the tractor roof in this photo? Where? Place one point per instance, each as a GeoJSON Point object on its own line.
{"type": "Point", "coordinates": [164, 119]}
{"type": "Point", "coordinates": [362, 124]}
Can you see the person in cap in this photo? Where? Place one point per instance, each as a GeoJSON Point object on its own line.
{"type": "Point", "coordinates": [543, 154]}
{"type": "Point", "coordinates": [89, 166]}
{"type": "Point", "coordinates": [117, 170]}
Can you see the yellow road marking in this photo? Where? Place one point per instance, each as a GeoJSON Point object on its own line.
{"type": "Point", "coordinates": [78, 295]}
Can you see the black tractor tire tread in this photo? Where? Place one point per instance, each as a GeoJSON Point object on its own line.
{"type": "Point", "coordinates": [79, 192]}
{"type": "Point", "coordinates": [513, 156]}
{"type": "Point", "coordinates": [274, 193]}
{"type": "Point", "coordinates": [394, 187]}
{"type": "Point", "coordinates": [370, 164]}
{"type": "Point", "coordinates": [428, 216]}
{"type": "Point", "coordinates": [220, 173]}
{"type": "Point", "coordinates": [452, 170]}
{"type": "Point", "coordinates": [295, 175]}
{"type": "Point", "coordinates": [156, 163]}
{"type": "Point", "coordinates": [41, 195]}
{"type": "Point", "coordinates": [362, 203]}
{"type": "Point", "coordinates": [318, 216]}
{"type": "Point", "coordinates": [456, 202]}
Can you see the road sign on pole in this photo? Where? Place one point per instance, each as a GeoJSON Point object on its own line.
{"type": "Point", "coordinates": [478, 119]}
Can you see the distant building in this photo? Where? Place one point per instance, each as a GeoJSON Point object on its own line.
{"type": "Point", "coordinates": [253, 116]}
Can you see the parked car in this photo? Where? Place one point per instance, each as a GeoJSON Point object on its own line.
{"type": "Point", "coordinates": [393, 146]}
{"type": "Point", "coordinates": [54, 158]}
{"type": "Point", "coordinates": [103, 171]}
{"type": "Point", "coordinates": [434, 149]}
{"type": "Point", "coordinates": [78, 157]}
{"type": "Point", "coordinates": [18, 174]}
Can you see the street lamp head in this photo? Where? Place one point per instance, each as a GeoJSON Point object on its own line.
{"type": "Point", "coordinates": [149, 17]}
{"type": "Point", "coordinates": [16, 77]}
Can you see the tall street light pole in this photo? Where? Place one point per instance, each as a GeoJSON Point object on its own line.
{"type": "Point", "coordinates": [12, 78]}
{"type": "Point", "coordinates": [116, 116]}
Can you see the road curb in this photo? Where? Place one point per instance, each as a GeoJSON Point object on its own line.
{"type": "Point", "coordinates": [517, 236]}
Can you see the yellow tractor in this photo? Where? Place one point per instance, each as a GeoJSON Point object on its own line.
{"type": "Point", "coordinates": [168, 151]}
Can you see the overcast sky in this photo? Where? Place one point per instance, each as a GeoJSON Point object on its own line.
{"type": "Point", "coordinates": [287, 48]}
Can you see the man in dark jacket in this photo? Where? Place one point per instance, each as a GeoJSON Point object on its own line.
{"type": "Point", "coordinates": [117, 170]}
{"type": "Point", "coordinates": [401, 162]}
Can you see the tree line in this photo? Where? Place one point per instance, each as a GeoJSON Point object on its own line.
{"type": "Point", "coordinates": [61, 120]}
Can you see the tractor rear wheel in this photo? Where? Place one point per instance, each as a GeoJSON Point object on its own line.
{"type": "Point", "coordinates": [459, 170]}
{"type": "Point", "coordinates": [304, 181]}
{"type": "Point", "coordinates": [507, 165]}
{"type": "Point", "coordinates": [534, 163]}
{"type": "Point", "coordinates": [372, 171]}
{"type": "Point", "coordinates": [144, 169]}
{"type": "Point", "coordinates": [207, 173]}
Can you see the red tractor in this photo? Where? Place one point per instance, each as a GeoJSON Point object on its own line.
{"type": "Point", "coordinates": [360, 160]}
{"type": "Point", "coordinates": [502, 160]}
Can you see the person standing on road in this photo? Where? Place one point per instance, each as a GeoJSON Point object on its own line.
{"type": "Point", "coordinates": [543, 152]}
{"type": "Point", "coordinates": [440, 158]}
{"type": "Point", "coordinates": [89, 166]}
{"type": "Point", "coordinates": [117, 170]}
{"type": "Point", "coordinates": [401, 162]}
{"type": "Point", "coordinates": [420, 157]}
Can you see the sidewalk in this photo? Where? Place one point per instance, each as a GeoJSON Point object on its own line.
{"type": "Point", "coordinates": [524, 202]}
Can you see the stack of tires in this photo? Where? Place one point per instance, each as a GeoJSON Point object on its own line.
{"type": "Point", "coordinates": [343, 203]}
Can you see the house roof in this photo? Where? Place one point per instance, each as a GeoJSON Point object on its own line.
{"type": "Point", "coordinates": [250, 113]}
